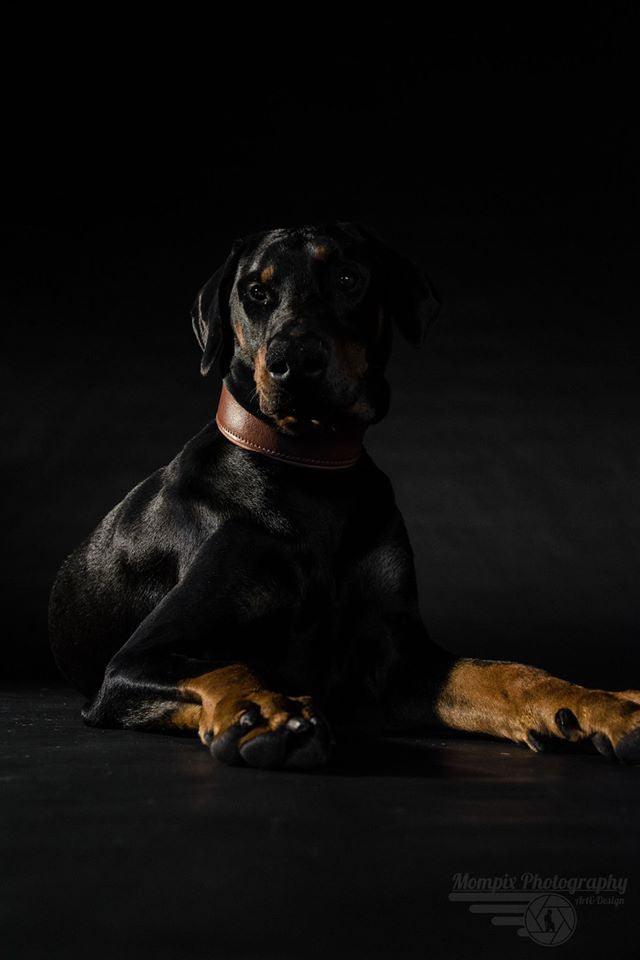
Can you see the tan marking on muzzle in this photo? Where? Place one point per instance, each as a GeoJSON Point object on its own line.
{"type": "Point", "coordinates": [240, 335]}
{"type": "Point", "coordinates": [361, 409]}
{"type": "Point", "coordinates": [261, 374]}
{"type": "Point", "coordinates": [352, 357]}
{"type": "Point", "coordinates": [288, 424]}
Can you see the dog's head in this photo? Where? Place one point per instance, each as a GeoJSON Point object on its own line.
{"type": "Point", "coordinates": [301, 320]}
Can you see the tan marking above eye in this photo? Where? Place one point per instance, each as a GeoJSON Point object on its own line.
{"type": "Point", "coordinates": [320, 252]}
{"type": "Point", "coordinates": [267, 274]}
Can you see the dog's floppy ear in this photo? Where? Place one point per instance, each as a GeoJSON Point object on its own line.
{"type": "Point", "coordinates": [210, 312]}
{"type": "Point", "coordinates": [408, 297]}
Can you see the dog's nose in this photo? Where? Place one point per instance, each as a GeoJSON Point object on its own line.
{"type": "Point", "coordinates": [296, 358]}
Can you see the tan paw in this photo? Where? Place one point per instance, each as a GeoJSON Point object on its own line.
{"type": "Point", "coordinates": [610, 720]}
{"type": "Point", "coordinates": [268, 730]}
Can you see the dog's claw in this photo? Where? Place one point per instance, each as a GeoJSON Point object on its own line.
{"type": "Point", "coordinates": [567, 723]}
{"type": "Point", "coordinates": [535, 742]}
{"type": "Point", "coordinates": [603, 745]}
{"type": "Point", "coordinates": [249, 718]}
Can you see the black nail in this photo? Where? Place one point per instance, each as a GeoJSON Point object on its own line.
{"type": "Point", "coordinates": [603, 745]}
{"type": "Point", "coordinates": [567, 723]}
{"type": "Point", "coordinates": [536, 742]}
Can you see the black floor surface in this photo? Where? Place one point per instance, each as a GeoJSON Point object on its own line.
{"type": "Point", "coordinates": [138, 846]}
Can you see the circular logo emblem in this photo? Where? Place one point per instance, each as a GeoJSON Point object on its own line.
{"type": "Point", "coordinates": [550, 920]}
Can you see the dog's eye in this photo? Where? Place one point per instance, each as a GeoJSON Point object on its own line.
{"type": "Point", "coordinates": [348, 280]}
{"type": "Point", "coordinates": [258, 292]}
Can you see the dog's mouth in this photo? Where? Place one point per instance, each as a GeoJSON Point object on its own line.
{"type": "Point", "coordinates": [296, 416]}
{"type": "Point", "coordinates": [297, 425]}
{"type": "Point", "coordinates": [314, 404]}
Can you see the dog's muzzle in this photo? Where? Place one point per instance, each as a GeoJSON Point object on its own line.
{"type": "Point", "coordinates": [296, 360]}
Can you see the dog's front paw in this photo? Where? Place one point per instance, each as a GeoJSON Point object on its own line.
{"type": "Point", "coordinates": [611, 720]}
{"type": "Point", "coordinates": [268, 730]}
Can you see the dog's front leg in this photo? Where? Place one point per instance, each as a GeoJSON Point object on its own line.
{"type": "Point", "coordinates": [242, 720]}
{"type": "Point", "coordinates": [203, 659]}
{"type": "Point", "coordinates": [417, 684]}
{"type": "Point", "coordinates": [528, 705]}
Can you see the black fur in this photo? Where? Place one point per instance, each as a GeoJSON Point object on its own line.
{"type": "Point", "coordinates": [224, 556]}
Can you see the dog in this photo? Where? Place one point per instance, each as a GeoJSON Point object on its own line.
{"type": "Point", "coordinates": [260, 589]}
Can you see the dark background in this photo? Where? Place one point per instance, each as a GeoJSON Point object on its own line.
{"type": "Point", "coordinates": [499, 153]}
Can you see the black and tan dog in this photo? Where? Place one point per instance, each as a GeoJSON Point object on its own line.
{"type": "Point", "coordinates": [260, 589]}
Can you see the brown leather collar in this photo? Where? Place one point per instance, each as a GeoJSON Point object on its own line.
{"type": "Point", "coordinates": [322, 450]}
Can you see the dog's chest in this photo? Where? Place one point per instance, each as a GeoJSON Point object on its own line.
{"type": "Point", "coordinates": [316, 639]}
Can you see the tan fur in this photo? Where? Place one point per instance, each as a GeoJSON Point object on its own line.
{"type": "Point", "coordinates": [509, 700]}
{"type": "Point", "coordinates": [267, 274]}
{"type": "Point", "coordinates": [184, 717]}
{"type": "Point", "coordinates": [220, 697]}
{"type": "Point", "coordinates": [261, 375]}
{"type": "Point", "coordinates": [361, 409]}
{"type": "Point", "coordinates": [237, 329]}
{"type": "Point", "coordinates": [320, 252]}
{"type": "Point", "coordinates": [288, 424]}
{"type": "Point", "coordinates": [352, 357]}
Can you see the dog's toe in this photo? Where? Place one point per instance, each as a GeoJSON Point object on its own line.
{"type": "Point", "coordinates": [273, 733]}
{"type": "Point", "coordinates": [628, 748]}
{"type": "Point", "coordinates": [301, 743]}
{"type": "Point", "coordinates": [267, 749]}
{"type": "Point", "coordinates": [225, 747]}
{"type": "Point", "coordinates": [312, 745]}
